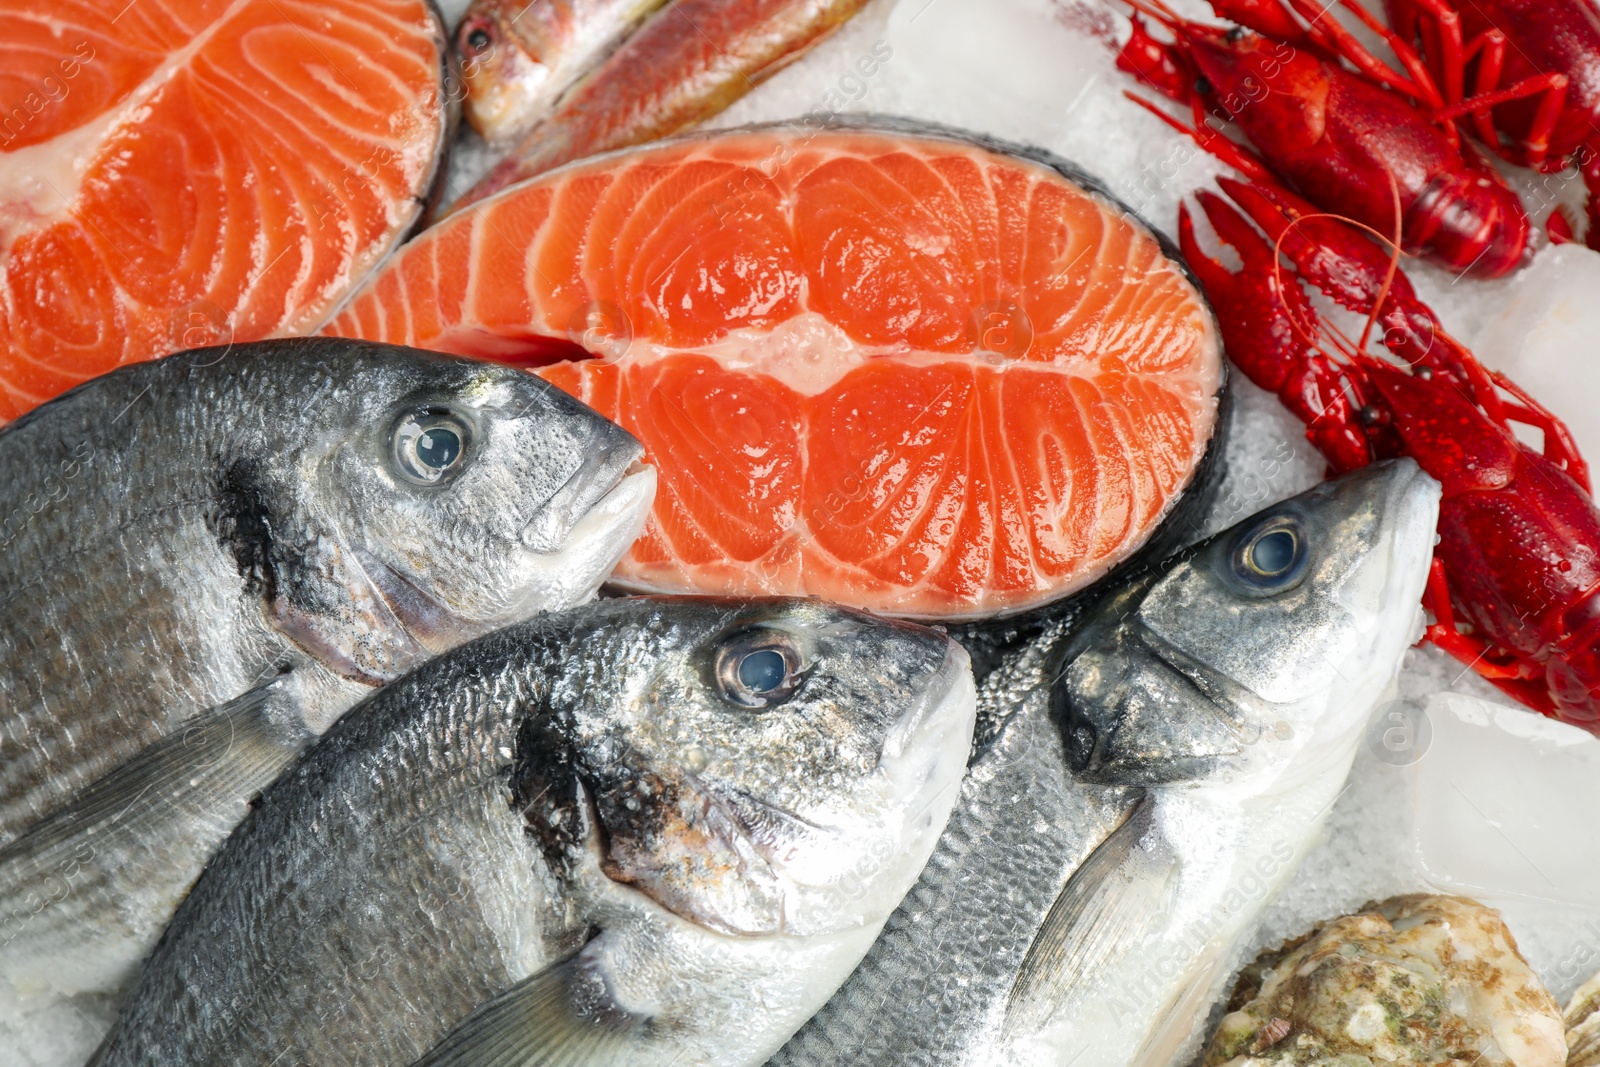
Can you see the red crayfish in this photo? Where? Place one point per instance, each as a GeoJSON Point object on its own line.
{"type": "Point", "coordinates": [1534, 72]}
{"type": "Point", "coordinates": [1349, 140]}
{"type": "Point", "coordinates": [1515, 588]}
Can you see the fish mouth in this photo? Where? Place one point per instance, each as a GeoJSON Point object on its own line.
{"type": "Point", "coordinates": [612, 454]}
{"type": "Point", "coordinates": [1123, 750]}
{"type": "Point", "coordinates": [592, 547]}
{"type": "Point", "coordinates": [948, 701]}
{"type": "Point", "coordinates": [924, 756]}
{"type": "Point", "coordinates": [1414, 506]}
{"type": "Point", "coordinates": [610, 517]}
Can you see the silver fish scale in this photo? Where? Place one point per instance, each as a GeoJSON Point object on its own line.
{"type": "Point", "coordinates": [397, 801]}
{"type": "Point", "coordinates": [938, 976]}
{"type": "Point", "coordinates": [104, 554]}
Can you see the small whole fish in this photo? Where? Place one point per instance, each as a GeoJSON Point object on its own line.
{"type": "Point", "coordinates": [644, 831]}
{"type": "Point", "coordinates": [690, 61]}
{"type": "Point", "coordinates": [1147, 778]}
{"type": "Point", "coordinates": [519, 56]}
{"type": "Point", "coordinates": [207, 559]}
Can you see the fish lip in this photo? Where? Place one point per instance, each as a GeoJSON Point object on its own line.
{"type": "Point", "coordinates": [1411, 495]}
{"type": "Point", "coordinates": [434, 627]}
{"type": "Point", "coordinates": [617, 456]}
{"type": "Point", "coordinates": [935, 706]}
{"type": "Point", "coordinates": [574, 570]}
{"type": "Point", "coordinates": [613, 508]}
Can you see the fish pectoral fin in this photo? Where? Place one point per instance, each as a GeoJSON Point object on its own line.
{"type": "Point", "coordinates": [87, 889]}
{"type": "Point", "coordinates": [1177, 1021]}
{"type": "Point", "coordinates": [1102, 912]}
{"type": "Point", "coordinates": [564, 1015]}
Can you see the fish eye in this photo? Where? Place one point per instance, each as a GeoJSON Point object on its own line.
{"type": "Point", "coordinates": [476, 37]}
{"type": "Point", "coordinates": [429, 446]}
{"type": "Point", "coordinates": [1271, 556]}
{"type": "Point", "coordinates": [758, 668]}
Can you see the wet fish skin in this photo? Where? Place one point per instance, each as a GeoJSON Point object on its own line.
{"type": "Point", "coordinates": [1152, 774]}
{"type": "Point", "coordinates": [518, 57]}
{"type": "Point", "coordinates": [949, 955]}
{"type": "Point", "coordinates": [687, 63]}
{"type": "Point", "coordinates": [232, 522]}
{"type": "Point", "coordinates": [542, 791]}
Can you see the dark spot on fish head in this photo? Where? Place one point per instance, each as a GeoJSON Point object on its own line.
{"type": "Point", "coordinates": [241, 520]}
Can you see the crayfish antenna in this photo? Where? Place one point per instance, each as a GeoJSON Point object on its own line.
{"type": "Point", "coordinates": [1268, 328]}
{"type": "Point", "coordinates": [1230, 152]}
{"type": "Point", "coordinates": [1334, 255]}
{"type": "Point", "coordinates": [1159, 11]}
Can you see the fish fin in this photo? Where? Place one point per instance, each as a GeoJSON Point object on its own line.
{"type": "Point", "coordinates": [85, 892]}
{"type": "Point", "coordinates": [1102, 911]}
{"type": "Point", "coordinates": [1176, 1023]}
{"type": "Point", "coordinates": [561, 1017]}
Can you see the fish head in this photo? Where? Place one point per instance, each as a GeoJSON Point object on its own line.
{"type": "Point", "coordinates": [1271, 639]}
{"type": "Point", "coordinates": [508, 54]}
{"type": "Point", "coordinates": [425, 500]}
{"type": "Point", "coordinates": [778, 766]}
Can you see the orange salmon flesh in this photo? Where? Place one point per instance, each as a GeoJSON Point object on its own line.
{"type": "Point", "coordinates": [179, 173]}
{"type": "Point", "coordinates": [900, 372]}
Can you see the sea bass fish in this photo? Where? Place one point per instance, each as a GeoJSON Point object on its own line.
{"type": "Point", "coordinates": [207, 559]}
{"type": "Point", "coordinates": [519, 56]}
{"type": "Point", "coordinates": [1151, 777]}
{"type": "Point", "coordinates": [687, 63]}
{"type": "Point", "coordinates": [645, 831]}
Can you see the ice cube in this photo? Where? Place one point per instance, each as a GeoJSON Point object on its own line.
{"type": "Point", "coordinates": [1502, 811]}
{"type": "Point", "coordinates": [1547, 338]}
{"type": "Point", "coordinates": [1498, 796]}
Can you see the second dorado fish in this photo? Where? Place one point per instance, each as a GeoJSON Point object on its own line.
{"type": "Point", "coordinates": [643, 832]}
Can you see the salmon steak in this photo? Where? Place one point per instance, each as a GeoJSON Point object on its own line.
{"type": "Point", "coordinates": [896, 369]}
{"type": "Point", "coordinates": [178, 173]}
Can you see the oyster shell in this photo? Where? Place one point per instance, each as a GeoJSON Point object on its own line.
{"type": "Point", "coordinates": [1583, 1025]}
{"type": "Point", "coordinates": [1413, 980]}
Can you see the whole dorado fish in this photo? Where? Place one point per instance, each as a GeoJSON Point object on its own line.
{"type": "Point", "coordinates": [518, 56]}
{"type": "Point", "coordinates": [209, 558]}
{"type": "Point", "coordinates": [689, 62]}
{"type": "Point", "coordinates": [642, 832]}
{"type": "Point", "coordinates": [1145, 783]}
